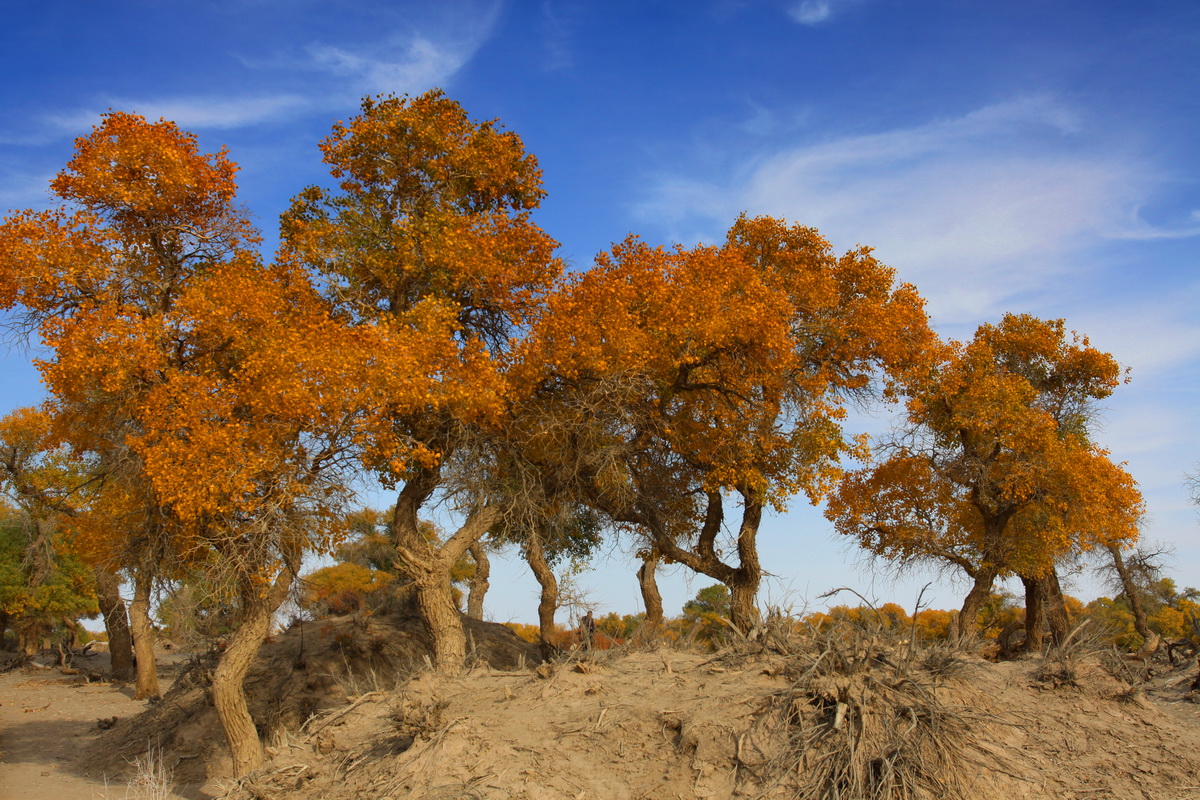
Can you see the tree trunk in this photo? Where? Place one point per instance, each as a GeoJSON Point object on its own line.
{"type": "Point", "coordinates": [651, 597]}
{"type": "Point", "coordinates": [143, 637]}
{"type": "Point", "coordinates": [3, 627]}
{"type": "Point", "coordinates": [228, 689]}
{"type": "Point", "coordinates": [968, 617]}
{"type": "Point", "coordinates": [1056, 608]}
{"type": "Point", "coordinates": [1035, 614]}
{"type": "Point", "coordinates": [1150, 639]}
{"type": "Point", "coordinates": [116, 623]}
{"type": "Point", "coordinates": [29, 637]}
{"type": "Point", "coordinates": [443, 620]}
{"type": "Point", "coordinates": [430, 564]}
{"type": "Point", "coordinates": [535, 555]}
{"type": "Point", "coordinates": [743, 585]}
{"type": "Point", "coordinates": [479, 581]}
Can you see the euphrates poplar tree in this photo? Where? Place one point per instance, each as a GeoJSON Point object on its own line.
{"type": "Point", "coordinates": [430, 218]}
{"type": "Point", "coordinates": [995, 472]}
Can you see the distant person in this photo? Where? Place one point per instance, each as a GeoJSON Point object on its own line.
{"type": "Point", "coordinates": [587, 626]}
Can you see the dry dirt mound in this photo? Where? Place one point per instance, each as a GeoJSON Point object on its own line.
{"type": "Point", "coordinates": [675, 725]}
{"type": "Point", "coordinates": [307, 670]}
{"type": "Point", "coordinates": [353, 715]}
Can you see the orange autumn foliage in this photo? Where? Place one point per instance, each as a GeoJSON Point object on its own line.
{"type": "Point", "coordinates": [996, 473]}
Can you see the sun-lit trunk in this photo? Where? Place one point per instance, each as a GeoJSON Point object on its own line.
{"type": "Point", "coordinates": [968, 617]}
{"type": "Point", "coordinates": [228, 689]}
{"type": "Point", "coordinates": [535, 555]}
{"type": "Point", "coordinates": [651, 596]}
{"type": "Point", "coordinates": [143, 637]}
{"type": "Point", "coordinates": [430, 563]}
{"type": "Point", "coordinates": [479, 581]}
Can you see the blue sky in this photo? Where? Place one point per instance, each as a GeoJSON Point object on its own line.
{"type": "Point", "coordinates": [1039, 157]}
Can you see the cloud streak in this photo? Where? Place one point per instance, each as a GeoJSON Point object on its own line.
{"type": "Point", "coordinates": [975, 209]}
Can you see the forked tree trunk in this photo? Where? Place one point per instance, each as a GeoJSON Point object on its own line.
{"type": "Point", "coordinates": [968, 617]}
{"type": "Point", "coordinates": [116, 623]}
{"type": "Point", "coordinates": [228, 689]}
{"type": "Point", "coordinates": [479, 581]}
{"type": "Point", "coordinates": [651, 596]}
{"type": "Point", "coordinates": [143, 637]}
{"type": "Point", "coordinates": [430, 564]}
{"type": "Point", "coordinates": [1035, 614]}
{"type": "Point", "coordinates": [742, 580]}
{"type": "Point", "coordinates": [535, 555]}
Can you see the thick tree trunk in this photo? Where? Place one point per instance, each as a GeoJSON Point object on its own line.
{"type": "Point", "coordinates": [143, 637]}
{"type": "Point", "coordinates": [535, 555]}
{"type": "Point", "coordinates": [1133, 593]}
{"type": "Point", "coordinates": [228, 690]}
{"type": "Point", "coordinates": [29, 637]}
{"type": "Point", "coordinates": [744, 582]}
{"type": "Point", "coordinates": [116, 623]}
{"type": "Point", "coordinates": [968, 617]}
{"type": "Point", "coordinates": [651, 597]}
{"type": "Point", "coordinates": [1035, 614]}
{"type": "Point", "coordinates": [1056, 608]}
{"type": "Point", "coordinates": [3, 627]}
{"type": "Point", "coordinates": [443, 620]}
{"type": "Point", "coordinates": [479, 581]}
{"type": "Point", "coordinates": [430, 564]}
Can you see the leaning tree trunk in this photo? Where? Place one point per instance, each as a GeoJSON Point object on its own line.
{"type": "Point", "coordinates": [1150, 639]}
{"type": "Point", "coordinates": [143, 637]}
{"type": "Point", "coordinates": [1035, 614]}
{"type": "Point", "coordinates": [228, 689]}
{"type": "Point", "coordinates": [968, 617]}
{"type": "Point", "coordinates": [535, 555]}
{"type": "Point", "coordinates": [479, 581]}
{"type": "Point", "coordinates": [742, 580]}
{"type": "Point", "coordinates": [116, 623]}
{"type": "Point", "coordinates": [651, 596]}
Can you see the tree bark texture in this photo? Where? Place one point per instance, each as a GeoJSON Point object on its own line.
{"type": "Point", "coordinates": [968, 617]}
{"type": "Point", "coordinates": [651, 596]}
{"type": "Point", "coordinates": [228, 689]}
{"type": "Point", "coordinates": [430, 563]}
{"type": "Point", "coordinates": [535, 555]}
{"type": "Point", "coordinates": [116, 623]}
{"type": "Point", "coordinates": [479, 581]}
{"type": "Point", "coordinates": [1056, 608]}
{"type": "Point", "coordinates": [143, 637]}
{"type": "Point", "coordinates": [1035, 614]}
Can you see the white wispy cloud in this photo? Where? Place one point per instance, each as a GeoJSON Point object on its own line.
{"type": "Point", "coordinates": [974, 209]}
{"type": "Point", "coordinates": [197, 112]}
{"type": "Point", "coordinates": [318, 77]}
{"type": "Point", "coordinates": [413, 66]}
{"type": "Point", "coordinates": [814, 12]}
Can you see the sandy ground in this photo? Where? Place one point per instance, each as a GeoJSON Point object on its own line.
{"type": "Point", "coordinates": [47, 718]}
